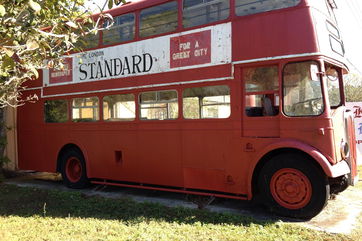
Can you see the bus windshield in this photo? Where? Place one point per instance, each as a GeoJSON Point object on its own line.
{"type": "Point", "coordinates": [302, 89]}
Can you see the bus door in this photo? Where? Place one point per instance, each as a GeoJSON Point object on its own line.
{"type": "Point", "coordinates": [260, 101]}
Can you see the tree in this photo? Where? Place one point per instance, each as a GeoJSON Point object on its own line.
{"type": "Point", "coordinates": [353, 86]}
{"type": "Point", "coordinates": [35, 34]}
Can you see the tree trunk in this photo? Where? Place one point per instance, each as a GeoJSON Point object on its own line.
{"type": "Point", "coordinates": [2, 137]}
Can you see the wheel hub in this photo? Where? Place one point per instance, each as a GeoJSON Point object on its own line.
{"type": "Point", "coordinates": [73, 169]}
{"type": "Point", "coordinates": [290, 188]}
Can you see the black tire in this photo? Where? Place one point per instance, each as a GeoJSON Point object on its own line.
{"type": "Point", "coordinates": [291, 185]}
{"type": "Point", "coordinates": [73, 169]}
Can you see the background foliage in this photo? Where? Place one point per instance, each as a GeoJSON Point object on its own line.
{"type": "Point", "coordinates": [35, 34]}
{"type": "Point", "coordinates": [27, 42]}
{"type": "Point", "coordinates": [353, 87]}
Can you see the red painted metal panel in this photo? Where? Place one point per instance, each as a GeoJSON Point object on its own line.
{"type": "Point", "coordinates": [204, 178]}
{"type": "Point", "coordinates": [273, 34]}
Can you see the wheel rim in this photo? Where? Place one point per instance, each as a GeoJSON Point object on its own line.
{"type": "Point", "coordinates": [73, 169]}
{"type": "Point", "coordinates": [290, 188]}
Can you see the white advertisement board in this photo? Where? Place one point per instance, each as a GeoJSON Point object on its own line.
{"type": "Point", "coordinates": [207, 46]}
{"type": "Point", "coordinates": [356, 108]}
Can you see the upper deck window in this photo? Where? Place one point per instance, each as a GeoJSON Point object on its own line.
{"type": "Point", "coordinates": [198, 12]}
{"type": "Point", "coordinates": [326, 7]}
{"type": "Point", "coordinates": [333, 30]}
{"type": "Point", "coordinates": [248, 7]}
{"type": "Point", "coordinates": [158, 19]}
{"type": "Point", "coordinates": [123, 30]}
{"type": "Point", "coordinates": [90, 40]}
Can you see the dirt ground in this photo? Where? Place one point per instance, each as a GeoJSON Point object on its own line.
{"type": "Point", "coordinates": [339, 216]}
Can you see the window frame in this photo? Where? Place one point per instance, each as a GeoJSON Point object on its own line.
{"type": "Point", "coordinates": [139, 25]}
{"type": "Point", "coordinates": [134, 38]}
{"type": "Point", "coordinates": [119, 119]}
{"type": "Point", "coordinates": [264, 11]}
{"type": "Point", "coordinates": [200, 107]}
{"type": "Point", "coordinates": [98, 108]}
{"type": "Point", "coordinates": [340, 84]}
{"type": "Point", "coordinates": [45, 112]}
{"type": "Point", "coordinates": [140, 108]}
{"type": "Point", "coordinates": [79, 47]}
{"type": "Point", "coordinates": [183, 26]}
{"type": "Point", "coordinates": [322, 89]}
{"type": "Point", "coordinates": [276, 92]}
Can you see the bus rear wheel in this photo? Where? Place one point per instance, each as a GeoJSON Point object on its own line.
{"type": "Point", "coordinates": [73, 169]}
{"type": "Point", "coordinates": [291, 185]}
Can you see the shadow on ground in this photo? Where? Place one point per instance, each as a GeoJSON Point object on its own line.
{"type": "Point", "coordinates": [46, 195]}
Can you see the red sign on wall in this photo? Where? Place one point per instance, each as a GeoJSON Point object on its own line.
{"type": "Point", "coordinates": [61, 76]}
{"type": "Point", "coordinates": [357, 111]}
{"type": "Point", "coordinates": [190, 49]}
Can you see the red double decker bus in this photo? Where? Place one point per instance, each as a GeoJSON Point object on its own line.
{"type": "Point", "coordinates": [229, 98]}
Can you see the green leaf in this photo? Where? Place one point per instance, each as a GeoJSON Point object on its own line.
{"type": "Point", "coordinates": [35, 6]}
{"type": "Point", "coordinates": [2, 10]}
{"type": "Point", "coordinates": [110, 4]}
{"type": "Point", "coordinates": [7, 62]}
{"type": "Point", "coordinates": [117, 2]}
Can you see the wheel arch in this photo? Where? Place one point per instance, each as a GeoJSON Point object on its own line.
{"type": "Point", "coordinates": [66, 148]}
{"type": "Point", "coordinates": [292, 146]}
{"type": "Point", "coordinates": [270, 155]}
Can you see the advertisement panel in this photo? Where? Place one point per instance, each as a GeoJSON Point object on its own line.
{"type": "Point", "coordinates": [203, 47]}
{"type": "Point", "coordinates": [62, 75]}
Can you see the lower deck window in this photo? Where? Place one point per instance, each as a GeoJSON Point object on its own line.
{"type": "Point", "coordinates": [85, 109]}
{"type": "Point", "coordinates": [206, 102]}
{"type": "Point", "coordinates": [262, 105]}
{"type": "Point", "coordinates": [119, 107]}
{"type": "Point", "coordinates": [55, 111]}
{"type": "Point", "coordinates": [159, 105]}
{"type": "Point", "coordinates": [261, 91]}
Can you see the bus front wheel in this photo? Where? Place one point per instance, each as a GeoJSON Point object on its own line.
{"type": "Point", "coordinates": [291, 185]}
{"type": "Point", "coordinates": [73, 169]}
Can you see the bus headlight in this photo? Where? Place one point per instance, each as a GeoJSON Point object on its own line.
{"type": "Point", "coordinates": [344, 150]}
